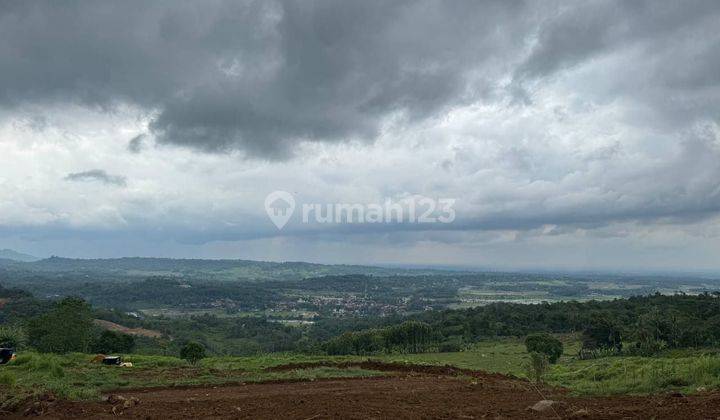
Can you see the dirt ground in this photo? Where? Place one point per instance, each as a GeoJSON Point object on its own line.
{"type": "Point", "coordinates": [438, 393]}
{"type": "Point", "coordinates": [142, 332]}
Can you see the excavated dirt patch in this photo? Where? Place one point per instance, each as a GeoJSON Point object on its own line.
{"type": "Point", "coordinates": [411, 392]}
{"type": "Point", "coordinates": [445, 370]}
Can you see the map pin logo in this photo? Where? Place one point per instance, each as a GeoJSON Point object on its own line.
{"type": "Point", "coordinates": [279, 206]}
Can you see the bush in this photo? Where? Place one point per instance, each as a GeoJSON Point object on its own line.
{"type": "Point", "coordinates": [537, 366]}
{"type": "Point", "coordinates": [12, 336]}
{"type": "Point", "coordinates": [409, 337]}
{"type": "Point", "coordinates": [7, 378]}
{"type": "Point", "coordinates": [113, 342]}
{"type": "Point", "coordinates": [192, 352]}
{"type": "Point", "coordinates": [602, 333]}
{"type": "Point", "coordinates": [646, 348]}
{"type": "Point", "coordinates": [545, 344]}
{"type": "Point", "coordinates": [452, 345]}
{"type": "Point", "coordinates": [356, 342]}
{"type": "Point", "coordinates": [47, 365]}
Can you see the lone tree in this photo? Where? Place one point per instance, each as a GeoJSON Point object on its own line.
{"type": "Point", "coordinates": [537, 366]}
{"type": "Point", "coordinates": [192, 352]}
{"type": "Point", "coordinates": [545, 344]}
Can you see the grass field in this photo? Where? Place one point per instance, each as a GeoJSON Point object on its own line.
{"type": "Point", "coordinates": [686, 371]}
{"type": "Point", "coordinates": [73, 376]}
{"type": "Point", "coordinates": [503, 356]}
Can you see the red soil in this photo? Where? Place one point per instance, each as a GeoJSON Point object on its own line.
{"type": "Point", "coordinates": [411, 392]}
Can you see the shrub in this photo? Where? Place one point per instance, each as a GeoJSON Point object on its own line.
{"type": "Point", "coordinates": [356, 342]}
{"type": "Point", "coordinates": [12, 336]}
{"type": "Point", "coordinates": [7, 378]}
{"type": "Point", "coordinates": [408, 337]}
{"type": "Point", "coordinates": [342, 344]}
{"type": "Point", "coordinates": [537, 366]}
{"type": "Point", "coordinates": [452, 345]}
{"type": "Point", "coordinates": [646, 348]}
{"type": "Point", "coordinates": [113, 342]}
{"type": "Point", "coordinates": [192, 352]}
{"type": "Point", "coordinates": [602, 333]}
{"type": "Point", "coordinates": [47, 365]}
{"type": "Point", "coordinates": [545, 344]}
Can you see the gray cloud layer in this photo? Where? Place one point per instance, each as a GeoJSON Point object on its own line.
{"type": "Point", "coordinates": [580, 115]}
{"type": "Point", "coordinates": [259, 76]}
{"type": "Point", "coordinates": [262, 76]}
{"type": "Point", "coordinates": [97, 175]}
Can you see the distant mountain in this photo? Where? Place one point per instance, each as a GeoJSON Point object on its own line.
{"type": "Point", "coordinates": [205, 269]}
{"type": "Point", "coordinates": [9, 254]}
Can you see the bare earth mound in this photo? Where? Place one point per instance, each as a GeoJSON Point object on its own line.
{"type": "Point", "coordinates": [420, 393]}
{"type": "Point", "coordinates": [125, 330]}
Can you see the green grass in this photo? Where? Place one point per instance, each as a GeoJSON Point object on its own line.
{"type": "Point", "coordinates": [72, 376]}
{"type": "Point", "coordinates": [506, 355]}
{"type": "Point", "coordinates": [639, 375]}
{"type": "Point", "coordinates": [503, 356]}
{"type": "Point", "coordinates": [683, 370]}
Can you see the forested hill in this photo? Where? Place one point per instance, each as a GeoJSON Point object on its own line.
{"type": "Point", "coordinates": [9, 254]}
{"type": "Point", "coordinates": [216, 269]}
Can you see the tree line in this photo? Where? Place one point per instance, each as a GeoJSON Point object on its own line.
{"type": "Point", "coordinates": [638, 325]}
{"type": "Point", "coordinates": [408, 337]}
{"type": "Point", "coordinates": [642, 325]}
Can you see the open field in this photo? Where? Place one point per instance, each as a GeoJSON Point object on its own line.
{"type": "Point", "coordinates": [72, 377]}
{"type": "Point", "coordinates": [685, 371]}
{"type": "Point", "coordinates": [407, 392]}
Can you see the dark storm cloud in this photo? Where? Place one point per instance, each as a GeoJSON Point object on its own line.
{"type": "Point", "coordinates": [579, 33]}
{"type": "Point", "coordinates": [262, 76]}
{"type": "Point", "coordinates": [97, 175]}
{"type": "Point", "coordinates": [136, 144]}
{"type": "Point", "coordinates": [667, 53]}
{"type": "Point", "coordinates": [259, 76]}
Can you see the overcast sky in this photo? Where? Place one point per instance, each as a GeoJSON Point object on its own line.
{"type": "Point", "coordinates": [578, 135]}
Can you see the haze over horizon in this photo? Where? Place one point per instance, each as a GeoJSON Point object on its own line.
{"type": "Point", "coordinates": [578, 138]}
